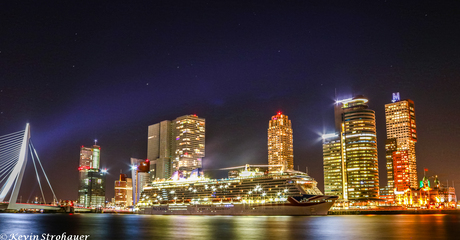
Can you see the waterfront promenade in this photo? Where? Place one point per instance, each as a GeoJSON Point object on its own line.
{"type": "Point", "coordinates": [395, 211]}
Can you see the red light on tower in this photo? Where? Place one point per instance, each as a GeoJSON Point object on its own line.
{"type": "Point", "coordinates": [279, 113]}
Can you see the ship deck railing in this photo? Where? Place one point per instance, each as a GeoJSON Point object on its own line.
{"type": "Point", "coordinates": [217, 181]}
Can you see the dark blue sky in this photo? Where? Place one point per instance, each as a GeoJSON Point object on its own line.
{"type": "Point", "coordinates": [85, 70]}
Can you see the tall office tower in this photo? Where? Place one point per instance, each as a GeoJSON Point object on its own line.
{"type": "Point", "coordinates": [361, 149]}
{"type": "Point", "coordinates": [188, 144]}
{"type": "Point", "coordinates": [159, 149]}
{"type": "Point", "coordinates": [140, 177]}
{"type": "Point", "coordinates": [400, 123]}
{"type": "Point", "coordinates": [123, 191]}
{"type": "Point", "coordinates": [335, 177]}
{"type": "Point", "coordinates": [280, 144]}
{"type": "Point", "coordinates": [91, 192]}
{"type": "Point", "coordinates": [350, 154]}
{"type": "Point", "coordinates": [177, 145]}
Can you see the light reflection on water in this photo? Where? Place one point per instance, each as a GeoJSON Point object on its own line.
{"type": "Point", "coordinates": [113, 226]}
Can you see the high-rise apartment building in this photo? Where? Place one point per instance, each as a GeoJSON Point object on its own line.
{"type": "Point", "coordinates": [188, 143]}
{"type": "Point", "coordinates": [402, 132]}
{"type": "Point", "coordinates": [91, 192]}
{"type": "Point", "coordinates": [350, 154]}
{"type": "Point", "coordinates": [280, 144]}
{"type": "Point", "coordinates": [177, 145]}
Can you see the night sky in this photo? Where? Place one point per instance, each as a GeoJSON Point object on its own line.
{"type": "Point", "coordinates": [94, 70]}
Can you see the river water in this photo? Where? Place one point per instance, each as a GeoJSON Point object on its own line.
{"type": "Point", "coordinates": [131, 226]}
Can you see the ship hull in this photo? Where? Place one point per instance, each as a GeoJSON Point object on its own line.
{"type": "Point", "coordinates": [317, 209]}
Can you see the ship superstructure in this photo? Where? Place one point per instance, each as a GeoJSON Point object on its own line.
{"type": "Point", "coordinates": [251, 192]}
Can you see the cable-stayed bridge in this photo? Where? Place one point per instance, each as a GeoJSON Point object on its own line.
{"type": "Point", "coordinates": [14, 152]}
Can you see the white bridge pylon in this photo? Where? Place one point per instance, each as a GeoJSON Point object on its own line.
{"type": "Point", "coordinates": [14, 149]}
{"type": "Point", "coordinates": [17, 173]}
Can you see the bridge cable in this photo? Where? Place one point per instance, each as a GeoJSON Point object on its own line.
{"type": "Point", "coordinates": [38, 177]}
{"type": "Point", "coordinates": [10, 146]}
{"type": "Point", "coordinates": [7, 171]}
{"type": "Point", "coordinates": [7, 175]}
{"type": "Point", "coordinates": [44, 173]}
{"type": "Point", "coordinates": [9, 163]}
{"type": "Point", "coordinates": [18, 132]}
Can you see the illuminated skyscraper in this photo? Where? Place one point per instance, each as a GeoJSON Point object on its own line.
{"type": "Point", "coordinates": [334, 162]}
{"type": "Point", "coordinates": [350, 154]}
{"type": "Point", "coordinates": [280, 144]}
{"type": "Point", "coordinates": [400, 124]}
{"type": "Point", "coordinates": [335, 177]}
{"type": "Point", "coordinates": [91, 192]}
{"type": "Point", "coordinates": [177, 145]}
{"type": "Point", "coordinates": [89, 157]}
{"type": "Point", "coordinates": [361, 149]}
{"type": "Point", "coordinates": [188, 143]}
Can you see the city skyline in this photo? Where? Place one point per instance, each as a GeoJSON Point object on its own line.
{"type": "Point", "coordinates": [97, 161]}
{"type": "Point", "coordinates": [78, 75]}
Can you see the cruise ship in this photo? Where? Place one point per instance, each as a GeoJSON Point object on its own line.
{"type": "Point", "coordinates": [246, 192]}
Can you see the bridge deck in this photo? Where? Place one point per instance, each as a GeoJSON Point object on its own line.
{"type": "Point", "coordinates": [18, 206]}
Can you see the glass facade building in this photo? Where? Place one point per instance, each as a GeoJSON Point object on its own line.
{"type": "Point", "coordinates": [334, 168]}
{"type": "Point", "coordinates": [91, 191]}
{"type": "Point", "coordinates": [361, 150]}
{"type": "Point", "coordinates": [159, 149]}
{"type": "Point", "coordinates": [350, 154]}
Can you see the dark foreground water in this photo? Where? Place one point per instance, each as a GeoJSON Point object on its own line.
{"type": "Point", "coordinates": [113, 226]}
